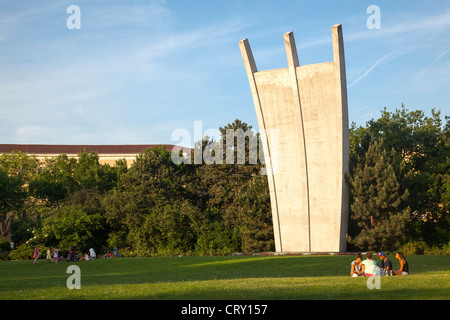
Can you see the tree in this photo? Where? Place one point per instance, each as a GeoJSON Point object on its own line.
{"type": "Point", "coordinates": [255, 216]}
{"type": "Point", "coordinates": [378, 212]}
{"type": "Point", "coordinates": [150, 211]}
{"type": "Point", "coordinates": [19, 164]}
{"type": "Point", "coordinates": [62, 176]}
{"type": "Point", "coordinates": [71, 226]}
{"type": "Point", "coordinates": [55, 180]}
{"type": "Point", "coordinates": [223, 190]}
{"type": "Point", "coordinates": [218, 184]}
{"type": "Point", "coordinates": [90, 174]}
{"type": "Point", "coordinates": [424, 145]}
{"type": "Point", "coordinates": [12, 197]}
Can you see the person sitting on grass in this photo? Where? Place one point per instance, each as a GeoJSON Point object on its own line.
{"type": "Point", "coordinates": [108, 254]}
{"type": "Point", "coordinates": [357, 270]}
{"type": "Point", "coordinates": [404, 267]}
{"type": "Point", "coordinates": [92, 254]}
{"type": "Point", "coordinates": [369, 266]}
{"type": "Point", "coordinates": [385, 265]}
{"type": "Point", "coordinates": [73, 255]}
{"type": "Point", "coordinates": [116, 253]}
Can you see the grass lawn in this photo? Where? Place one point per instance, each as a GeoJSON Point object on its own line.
{"type": "Point", "coordinates": [222, 278]}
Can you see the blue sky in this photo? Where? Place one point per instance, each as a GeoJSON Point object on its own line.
{"type": "Point", "coordinates": [138, 70]}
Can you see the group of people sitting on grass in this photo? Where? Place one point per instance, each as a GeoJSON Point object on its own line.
{"type": "Point", "coordinates": [72, 256]}
{"type": "Point", "coordinates": [369, 267]}
{"type": "Point", "coordinates": [75, 256]}
{"type": "Point", "coordinates": [113, 254]}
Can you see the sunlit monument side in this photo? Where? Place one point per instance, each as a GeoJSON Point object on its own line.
{"type": "Point", "coordinates": [306, 106]}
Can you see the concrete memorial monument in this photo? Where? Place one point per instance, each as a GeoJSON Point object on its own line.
{"type": "Point", "coordinates": [306, 105]}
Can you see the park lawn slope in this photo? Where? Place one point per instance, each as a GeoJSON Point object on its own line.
{"type": "Point", "coordinates": [223, 278]}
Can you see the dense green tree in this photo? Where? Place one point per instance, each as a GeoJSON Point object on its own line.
{"type": "Point", "coordinates": [218, 184]}
{"type": "Point", "coordinates": [19, 164]}
{"type": "Point", "coordinates": [90, 174]}
{"type": "Point", "coordinates": [219, 187]}
{"type": "Point", "coordinates": [62, 176]}
{"type": "Point", "coordinates": [255, 216]}
{"type": "Point", "coordinates": [150, 212]}
{"type": "Point", "coordinates": [70, 226]}
{"type": "Point", "coordinates": [379, 213]}
{"type": "Point", "coordinates": [422, 142]}
{"type": "Point", "coordinates": [12, 197]}
{"type": "Point", "coordinates": [55, 180]}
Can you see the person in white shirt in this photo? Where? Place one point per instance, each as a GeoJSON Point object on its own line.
{"type": "Point", "coordinates": [92, 254]}
{"type": "Point", "coordinates": [55, 255]}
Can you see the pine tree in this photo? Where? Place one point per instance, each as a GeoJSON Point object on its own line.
{"type": "Point", "coordinates": [378, 205]}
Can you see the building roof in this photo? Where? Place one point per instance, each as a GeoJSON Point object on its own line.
{"type": "Point", "coordinates": [75, 149]}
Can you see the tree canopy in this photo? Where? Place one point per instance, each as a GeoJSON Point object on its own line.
{"type": "Point", "coordinates": [399, 185]}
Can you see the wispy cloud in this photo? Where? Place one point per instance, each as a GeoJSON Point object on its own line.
{"type": "Point", "coordinates": [203, 36]}
{"type": "Point", "coordinates": [434, 75]}
{"type": "Point", "coordinates": [84, 87]}
{"type": "Point", "coordinates": [385, 58]}
{"type": "Point", "coordinates": [141, 14]}
{"type": "Point", "coordinates": [138, 68]}
{"type": "Point", "coordinates": [423, 25]}
{"type": "Point", "coordinates": [407, 36]}
{"type": "Point", "coordinates": [12, 20]}
{"type": "Point", "coordinates": [439, 57]}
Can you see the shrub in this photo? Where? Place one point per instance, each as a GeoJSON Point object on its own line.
{"type": "Point", "coordinates": [414, 247]}
{"type": "Point", "coordinates": [420, 247]}
{"type": "Point", "coordinates": [22, 252]}
{"type": "Point", "coordinates": [5, 245]}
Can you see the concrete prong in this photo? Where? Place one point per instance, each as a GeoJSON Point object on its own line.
{"type": "Point", "coordinates": [338, 43]}
{"type": "Point", "coordinates": [291, 49]}
{"type": "Point", "coordinates": [247, 55]}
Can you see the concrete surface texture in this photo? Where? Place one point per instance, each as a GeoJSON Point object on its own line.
{"type": "Point", "coordinates": [303, 117]}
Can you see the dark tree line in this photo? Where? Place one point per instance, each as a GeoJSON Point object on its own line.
{"type": "Point", "coordinates": [399, 193]}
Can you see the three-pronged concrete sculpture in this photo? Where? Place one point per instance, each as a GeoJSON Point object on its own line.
{"type": "Point", "coordinates": [305, 106]}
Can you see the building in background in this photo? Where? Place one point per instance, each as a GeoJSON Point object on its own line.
{"type": "Point", "coordinates": [108, 154]}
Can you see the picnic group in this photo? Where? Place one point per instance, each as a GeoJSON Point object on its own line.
{"type": "Point", "coordinates": [73, 255]}
{"type": "Point", "coordinates": [369, 267]}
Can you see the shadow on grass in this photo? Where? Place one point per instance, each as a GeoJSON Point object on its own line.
{"type": "Point", "coordinates": [309, 293]}
{"type": "Point", "coordinates": [223, 268]}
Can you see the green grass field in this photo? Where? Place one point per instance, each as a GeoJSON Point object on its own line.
{"type": "Point", "coordinates": [222, 278]}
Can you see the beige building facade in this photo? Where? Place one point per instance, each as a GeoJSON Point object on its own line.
{"type": "Point", "coordinates": [306, 107]}
{"type": "Point", "coordinates": [108, 154]}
